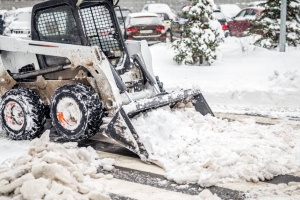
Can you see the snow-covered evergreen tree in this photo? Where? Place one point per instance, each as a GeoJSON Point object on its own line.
{"type": "Point", "coordinates": [267, 26]}
{"type": "Point", "coordinates": [202, 34]}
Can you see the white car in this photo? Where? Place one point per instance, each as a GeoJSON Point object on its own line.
{"type": "Point", "coordinates": [164, 11]}
{"type": "Point", "coordinates": [229, 10]}
{"type": "Point", "coordinates": [255, 3]}
{"type": "Point", "coordinates": [21, 25]}
{"type": "Point", "coordinates": [8, 17]}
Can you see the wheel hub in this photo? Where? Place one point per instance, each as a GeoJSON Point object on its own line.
{"type": "Point", "coordinates": [68, 113]}
{"type": "Point", "coordinates": [14, 115]}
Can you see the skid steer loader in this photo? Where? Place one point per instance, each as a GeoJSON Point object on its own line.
{"type": "Point", "coordinates": [79, 72]}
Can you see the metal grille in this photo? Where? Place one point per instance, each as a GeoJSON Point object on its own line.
{"type": "Point", "coordinates": [58, 25]}
{"type": "Point", "coordinates": [99, 28]}
{"type": "Point", "coordinates": [27, 68]}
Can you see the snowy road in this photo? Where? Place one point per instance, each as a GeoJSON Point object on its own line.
{"type": "Point", "coordinates": [134, 179]}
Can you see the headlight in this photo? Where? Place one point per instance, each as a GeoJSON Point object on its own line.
{"type": "Point", "coordinates": [7, 31]}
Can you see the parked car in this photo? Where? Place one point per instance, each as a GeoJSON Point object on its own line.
{"type": "Point", "coordinates": [255, 3]}
{"type": "Point", "coordinates": [163, 10]}
{"type": "Point", "coordinates": [229, 10]}
{"type": "Point", "coordinates": [21, 25]}
{"type": "Point", "coordinates": [8, 17]}
{"type": "Point", "coordinates": [145, 26]}
{"type": "Point", "coordinates": [222, 20]}
{"type": "Point", "coordinates": [177, 25]}
{"type": "Point", "coordinates": [242, 21]}
{"type": "Point", "coordinates": [122, 12]}
{"type": "Point", "coordinates": [176, 28]}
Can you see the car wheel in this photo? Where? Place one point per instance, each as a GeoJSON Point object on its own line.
{"type": "Point", "coordinates": [76, 112]}
{"type": "Point", "coordinates": [22, 114]}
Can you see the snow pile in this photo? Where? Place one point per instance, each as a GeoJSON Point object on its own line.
{"type": "Point", "coordinates": [207, 195]}
{"type": "Point", "coordinates": [202, 149]}
{"type": "Point", "coordinates": [54, 171]}
{"type": "Point", "coordinates": [287, 80]}
{"type": "Point", "coordinates": [280, 191]}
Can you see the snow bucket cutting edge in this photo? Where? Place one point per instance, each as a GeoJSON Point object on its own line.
{"type": "Point", "coordinates": [120, 128]}
{"type": "Point", "coordinates": [193, 96]}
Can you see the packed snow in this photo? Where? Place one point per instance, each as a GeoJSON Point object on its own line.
{"type": "Point", "coordinates": [207, 150]}
{"type": "Point", "coordinates": [54, 171]}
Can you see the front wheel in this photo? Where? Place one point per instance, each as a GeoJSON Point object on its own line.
{"type": "Point", "coordinates": [76, 112]}
{"type": "Point", "coordinates": [22, 114]}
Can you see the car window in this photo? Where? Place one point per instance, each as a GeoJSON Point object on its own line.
{"type": "Point", "coordinates": [254, 12]}
{"type": "Point", "coordinates": [218, 15]}
{"type": "Point", "coordinates": [147, 20]}
{"type": "Point", "coordinates": [241, 14]}
{"type": "Point", "coordinates": [23, 17]}
{"type": "Point", "coordinates": [163, 16]}
{"type": "Point", "coordinates": [250, 12]}
{"type": "Point", "coordinates": [146, 8]}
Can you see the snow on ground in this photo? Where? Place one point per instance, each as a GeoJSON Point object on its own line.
{"type": "Point", "coordinates": [207, 150]}
{"type": "Point", "coordinates": [54, 171]}
{"type": "Point", "coordinates": [191, 147]}
{"type": "Point", "coordinates": [282, 191]}
{"type": "Point", "coordinates": [10, 149]}
{"type": "Point", "coordinates": [244, 79]}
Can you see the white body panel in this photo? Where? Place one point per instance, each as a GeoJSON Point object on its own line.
{"type": "Point", "coordinates": [13, 61]}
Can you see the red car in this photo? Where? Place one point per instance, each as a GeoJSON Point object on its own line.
{"type": "Point", "coordinates": [241, 22]}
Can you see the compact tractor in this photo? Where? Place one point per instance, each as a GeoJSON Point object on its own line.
{"type": "Point", "coordinates": [80, 73]}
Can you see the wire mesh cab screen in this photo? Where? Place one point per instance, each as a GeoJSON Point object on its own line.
{"type": "Point", "coordinates": [57, 25]}
{"type": "Point", "coordinates": [100, 29]}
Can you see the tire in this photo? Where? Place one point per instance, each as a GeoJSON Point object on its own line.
{"type": "Point", "coordinates": [22, 114]}
{"type": "Point", "coordinates": [76, 112]}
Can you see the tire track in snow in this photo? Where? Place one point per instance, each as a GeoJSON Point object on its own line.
{"type": "Point", "coordinates": [295, 123]}
{"type": "Point", "coordinates": [159, 181]}
{"type": "Point", "coordinates": [128, 167]}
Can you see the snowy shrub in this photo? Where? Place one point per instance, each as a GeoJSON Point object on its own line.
{"type": "Point", "coordinates": [267, 26]}
{"type": "Point", "coordinates": [202, 34]}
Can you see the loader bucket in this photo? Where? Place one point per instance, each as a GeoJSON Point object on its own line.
{"type": "Point", "coordinates": [120, 128]}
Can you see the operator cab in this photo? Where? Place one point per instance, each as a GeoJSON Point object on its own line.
{"type": "Point", "coordinates": [90, 24]}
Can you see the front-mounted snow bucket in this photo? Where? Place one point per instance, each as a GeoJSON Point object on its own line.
{"type": "Point", "coordinates": [120, 128]}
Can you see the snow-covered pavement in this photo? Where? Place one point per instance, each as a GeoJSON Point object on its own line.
{"type": "Point", "coordinates": [203, 151]}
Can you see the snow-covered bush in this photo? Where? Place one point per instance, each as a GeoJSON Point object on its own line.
{"type": "Point", "coordinates": [267, 26]}
{"type": "Point", "coordinates": [202, 34]}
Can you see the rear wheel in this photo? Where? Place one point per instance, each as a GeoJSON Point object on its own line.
{"type": "Point", "coordinates": [22, 114]}
{"type": "Point", "coordinates": [76, 112]}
